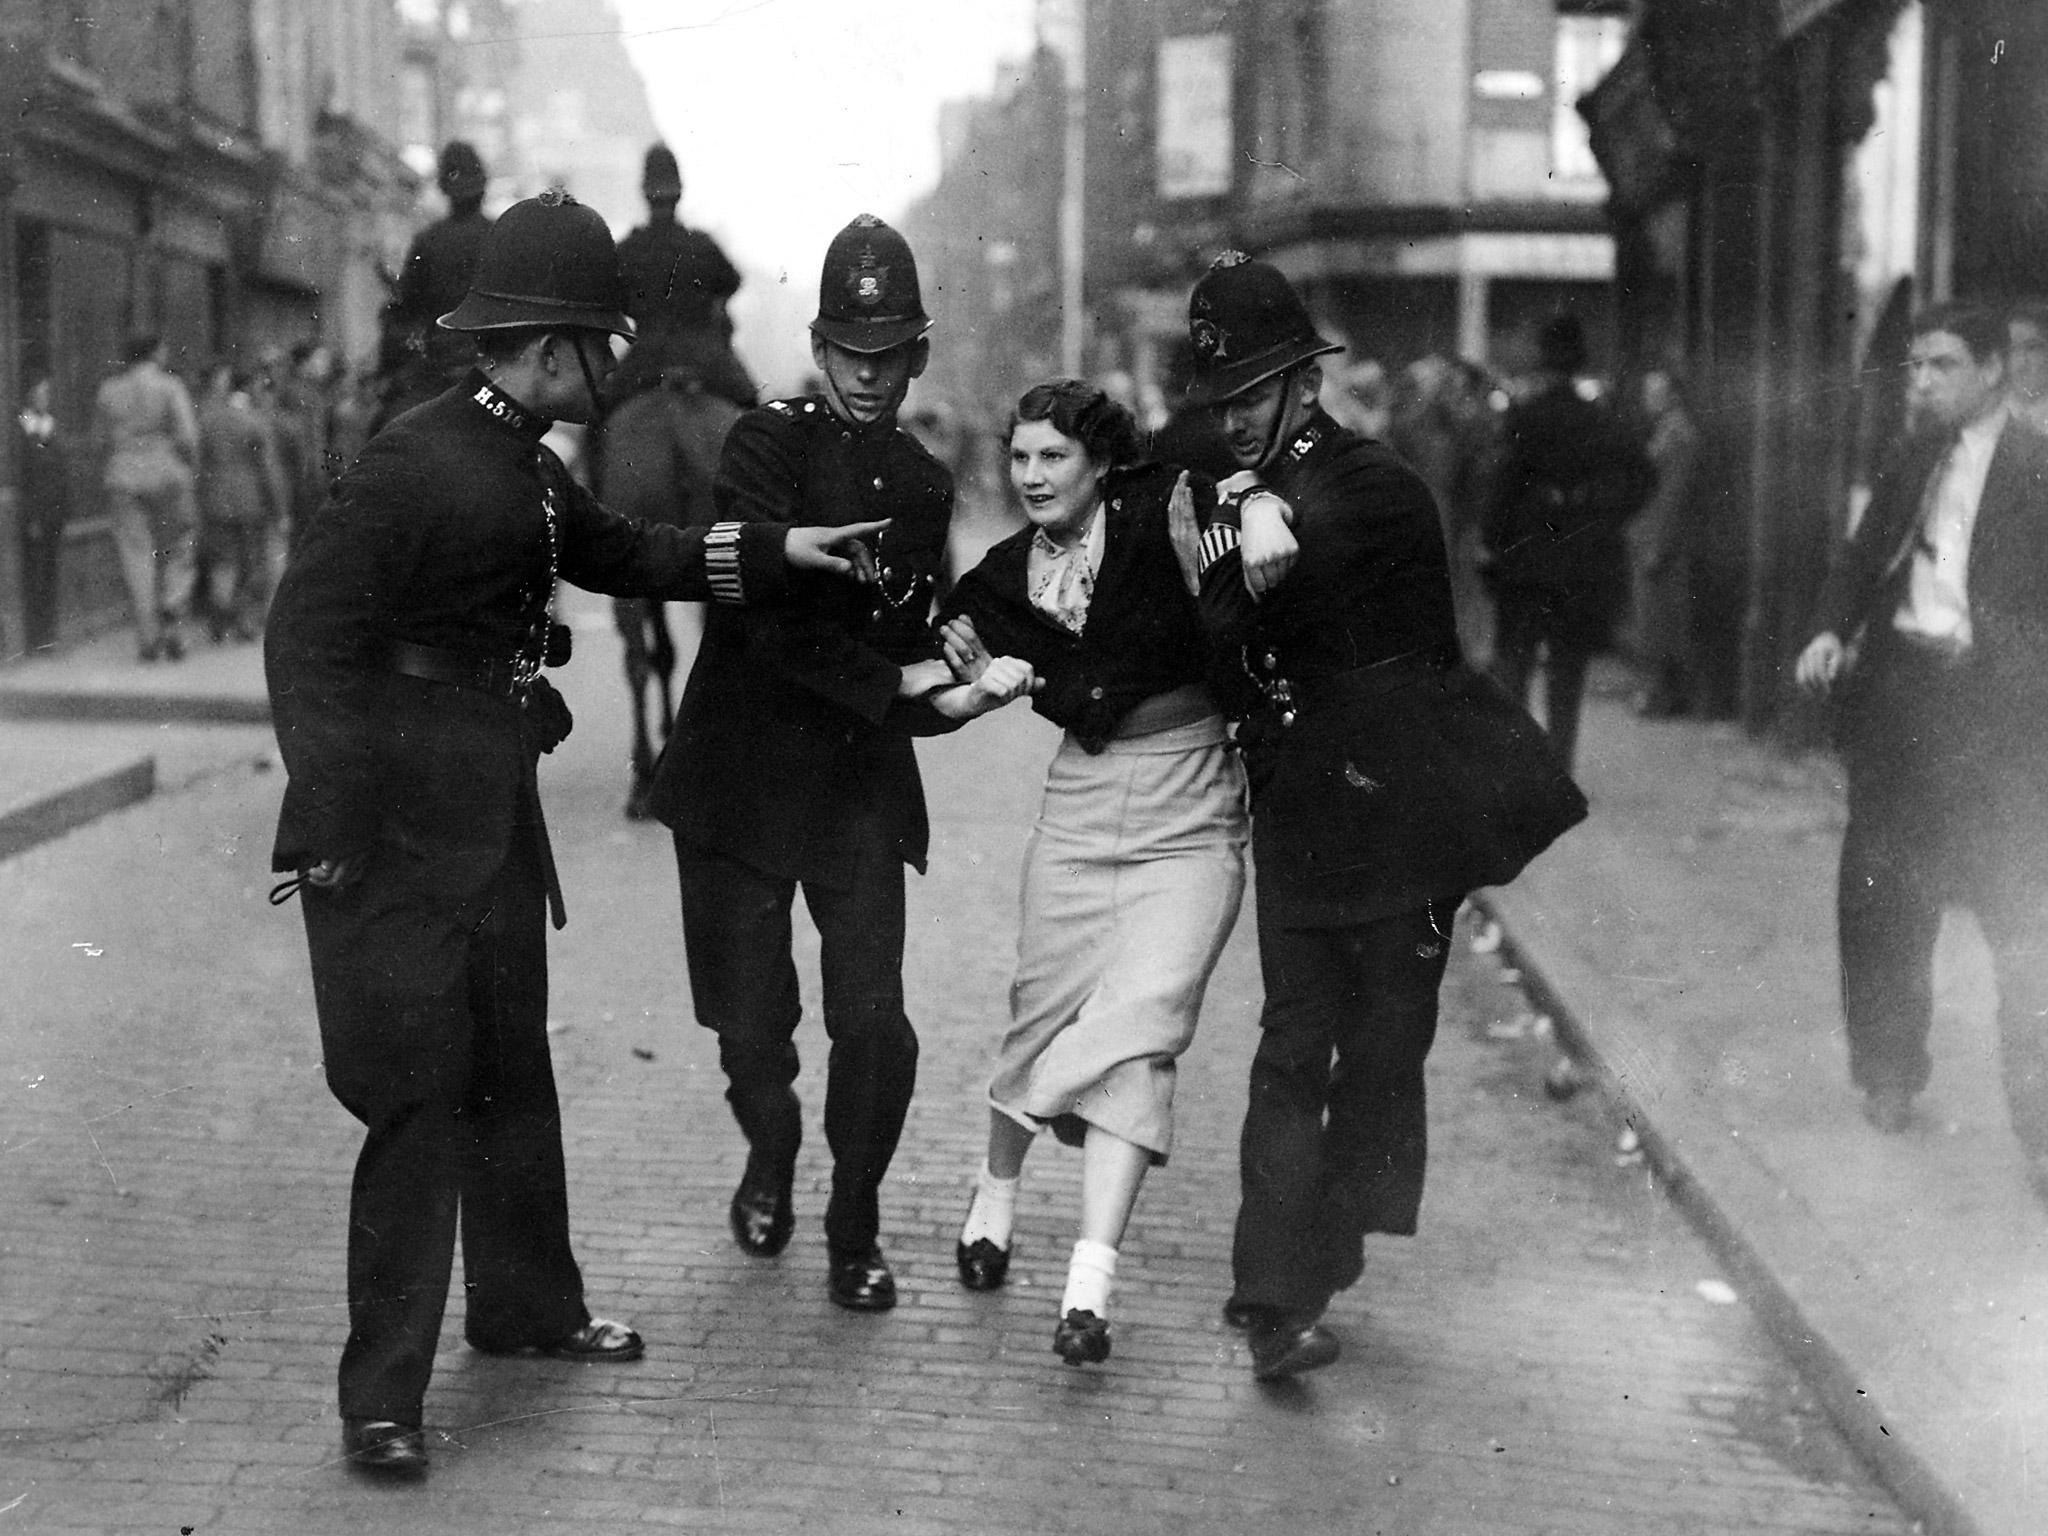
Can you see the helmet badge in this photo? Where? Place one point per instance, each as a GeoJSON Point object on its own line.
{"type": "Point", "coordinates": [869, 281]}
{"type": "Point", "coordinates": [1209, 339]}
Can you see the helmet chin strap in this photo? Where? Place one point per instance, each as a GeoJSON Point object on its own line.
{"type": "Point", "coordinates": [839, 406]}
{"type": "Point", "coordinates": [1279, 428]}
{"type": "Point", "coordinates": [589, 378]}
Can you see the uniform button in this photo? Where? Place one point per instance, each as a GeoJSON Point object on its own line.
{"type": "Point", "coordinates": [1095, 693]}
{"type": "Point", "coordinates": [1272, 660]}
{"type": "Point", "coordinates": [878, 482]}
{"type": "Point", "coordinates": [1117, 505]}
{"type": "Point", "coordinates": [810, 408]}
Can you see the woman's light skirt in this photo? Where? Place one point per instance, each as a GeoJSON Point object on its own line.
{"type": "Point", "coordinates": [1132, 882]}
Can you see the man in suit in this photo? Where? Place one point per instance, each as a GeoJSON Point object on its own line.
{"type": "Point", "coordinates": [1387, 781]}
{"type": "Point", "coordinates": [791, 765]}
{"type": "Point", "coordinates": [403, 658]}
{"type": "Point", "coordinates": [1941, 596]}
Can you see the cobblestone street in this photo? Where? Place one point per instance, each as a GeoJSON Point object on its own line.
{"type": "Point", "coordinates": [1541, 1359]}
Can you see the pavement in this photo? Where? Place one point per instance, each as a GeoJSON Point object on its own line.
{"type": "Point", "coordinates": [1683, 941]}
{"type": "Point", "coordinates": [1680, 941]}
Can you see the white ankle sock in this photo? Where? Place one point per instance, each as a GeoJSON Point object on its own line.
{"type": "Point", "coordinates": [1089, 1274]}
{"type": "Point", "coordinates": [994, 1211]}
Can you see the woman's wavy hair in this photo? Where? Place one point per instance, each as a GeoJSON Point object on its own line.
{"type": "Point", "coordinates": [1077, 409]}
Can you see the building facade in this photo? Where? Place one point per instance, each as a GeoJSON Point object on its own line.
{"type": "Point", "coordinates": [205, 170]}
{"type": "Point", "coordinates": [1418, 166]}
{"type": "Point", "coordinates": [1791, 179]}
{"type": "Point", "coordinates": [242, 176]}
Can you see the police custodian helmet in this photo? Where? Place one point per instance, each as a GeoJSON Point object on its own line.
{"type": "Point", "coordinates": [460, 172]}
{"type": "Point", "coordinates": [868, 299]}
{"type": "Point", "coordinates": [548, 262]}
{"type": "Point", "coordinates": [660, 176]}
{"type": "Point", "coordinates": [1246, 323]}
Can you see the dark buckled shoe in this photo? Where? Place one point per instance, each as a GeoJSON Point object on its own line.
{"type": "Point", "coordinates": [598, 1342]}
{"type": "Point", "coordinates": [762, 1215]}
{"type": "Point", "coordinates": [1081, 1338]}
{"type": "Point", "coordinates": [861, 1282]}
{"type": "Point", "coordinates": [384, 1448]}
{"type": "Point", "coordinates": [983, 1266]}
{"type": "Point", "coordinates": [1286, 1347]}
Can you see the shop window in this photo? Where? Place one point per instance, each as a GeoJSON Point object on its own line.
{"type": "Point", "coordinates": [1587, 47]}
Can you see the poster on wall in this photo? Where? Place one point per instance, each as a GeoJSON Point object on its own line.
{"type": "Point", "coordinates": [1194, 116]}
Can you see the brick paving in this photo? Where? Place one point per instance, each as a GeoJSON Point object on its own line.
{"type": "Point", "coordinates": [1539, 1360]}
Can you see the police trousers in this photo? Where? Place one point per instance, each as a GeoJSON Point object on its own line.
{"type": "Point", "coordinates": [1336, 1131]}
{"type": "Point", "coordinates": [434, 1028]}
{"type": "Point", "coordinates": [736, 930]}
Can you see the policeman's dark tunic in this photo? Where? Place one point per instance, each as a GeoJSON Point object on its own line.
{"type": "Point", "coordinates": [1387, 781]}
{"type": "Point", "coordinates": [430, 972]}
{"type": "Point", "coordinates": [791, 763]}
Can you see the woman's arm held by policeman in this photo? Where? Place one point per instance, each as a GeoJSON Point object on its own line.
{"type": "Point", "coordinates": [1003, 680]}
{"type": "Point", "coordinates": [965, 654]}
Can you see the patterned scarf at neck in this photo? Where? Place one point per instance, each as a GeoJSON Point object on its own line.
{"type": "Point", "coordinates": [1061, 578]}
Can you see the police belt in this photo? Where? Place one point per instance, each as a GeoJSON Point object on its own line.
{"type": "Point", "coordinates": [486, 674]}
{"type": "Point", "coordinates": [1362, 685]}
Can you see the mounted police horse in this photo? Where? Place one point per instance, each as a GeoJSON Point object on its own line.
{"type": "Point", "coordinates": [655, 459]}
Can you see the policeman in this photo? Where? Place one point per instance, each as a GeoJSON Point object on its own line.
{"type": "Point", "coordinates": [678, 283]}
{"type": "Point", "coordinates": [791, 764]}
{"type": "Point", "coordinates": [1387, 782]}
{"type": "Point", "coordinates": [417, 359]}
{"type": "Point", "coordinates": [403, 657]}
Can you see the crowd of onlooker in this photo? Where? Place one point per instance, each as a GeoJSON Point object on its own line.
{"type": "Point", "coordinates": [200, 478]}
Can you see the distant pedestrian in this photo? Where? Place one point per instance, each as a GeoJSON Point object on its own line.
{"type": "Point", "coordinates": [1387, 781]}
{"type": "Point", "coordinates": [404, 659]}
{"type": "Point", "coordinates": [1135, 868]}
{"type": "Point", "coordinates": [45, 508]}
{"type": "Point", "coordinates": [1661, 540]}
{"type": "Point", "coordinates": [1933, 631]}
{"type": "Point", "coordinates": [148, 432]}
{"type": "Point", "coordinates": [242, 502]}
{"type": "Point", "coordinates": [1445, 425]}
{"type": "Point", "coordinates": [1569, 479]}
{"type": "Point", "coordinates": [791, 766]}
{"type": "Point", "coordinates": [2026, 326]}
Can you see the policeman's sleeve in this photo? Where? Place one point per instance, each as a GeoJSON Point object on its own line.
{"type": "Point", "coordinates": [323, 661]}
{"type": "Point", "coordinates": [1228, 610]}
{"type": "Point", "coordinates": [729, 562]}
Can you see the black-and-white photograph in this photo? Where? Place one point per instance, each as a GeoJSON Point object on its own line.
{"type": "Point", "coordinates": [1118, 767]}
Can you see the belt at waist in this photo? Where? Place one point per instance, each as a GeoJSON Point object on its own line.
{"type": "Point", "coordinates": [1165, 711]}
{"type": "Point", "coordinates": [486, 674]}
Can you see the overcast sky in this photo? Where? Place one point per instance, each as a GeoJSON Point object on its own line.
{"type": "Point", "coordinates": [791, 116]}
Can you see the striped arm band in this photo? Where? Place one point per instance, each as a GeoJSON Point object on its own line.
{"type": "Point", "coordinates": [722, 563]}
{"type": "Point", "coordinates": [1219, 541]}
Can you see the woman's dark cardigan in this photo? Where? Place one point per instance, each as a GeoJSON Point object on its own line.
{"type": "Point", "coordinates": [1143, 635]}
